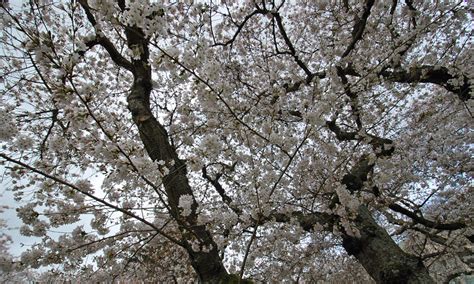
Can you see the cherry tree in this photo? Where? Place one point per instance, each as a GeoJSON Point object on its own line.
{"type": "Point", "coordinates": [239, 141]}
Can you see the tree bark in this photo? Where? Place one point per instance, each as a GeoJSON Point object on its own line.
{"type": "Point", "coordinates": [381, 257]}
{"type": "Point", "coordinates": [378, 253]}
{"type": "Point", "coordinates": [206, 261]}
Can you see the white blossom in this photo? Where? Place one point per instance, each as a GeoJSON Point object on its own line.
{"type": "Point", "coordinates": [185, 203]}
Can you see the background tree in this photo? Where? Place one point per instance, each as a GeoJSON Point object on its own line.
{"type": "Point", "coordinates": [263, 140]}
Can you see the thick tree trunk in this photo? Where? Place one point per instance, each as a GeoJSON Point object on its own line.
{"type": "Point", "coordinates": [378, 253]}
{"type": "Point", "coordinates": [205, 261]}
{"type": "Point", "coordinates": [381, 257]}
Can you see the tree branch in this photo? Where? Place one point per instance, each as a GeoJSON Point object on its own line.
{"type": "Point", "coordinates": [352, 96]}
{"type": "Point", "coordinates": [292, 49]}
{"type": "Point", "coordinates": [93, 197]}
{"type": "Point", "coordinates": [419, 74]}
{"type": "Point", "coordinates": [206, 262]}
{"type": "Point", "coordinates": [103, 41]}
{"type": "Point", "coordinates": [306, 221]}
{"type": "Point", "coordinates": [220, 190]}
{"type": "Point", "coordinates": [425, 222]}
{"type": "Point", "coordinates": [435, 75]}
{"type": "Point", "coordinates": [239, 29]}
{"type": "Point", "coordinates": [381, 146]}
{"type": "Point", "coordinates": [359, 27]}
{"type": "Point", "coordinates": [413, 10]}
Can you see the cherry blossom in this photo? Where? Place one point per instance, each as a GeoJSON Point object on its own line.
{"type": "Point", "coordinates": [239, 141]}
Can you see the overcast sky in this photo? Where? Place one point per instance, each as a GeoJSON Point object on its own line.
{"type": "Point", "coordinates": [6, 196]}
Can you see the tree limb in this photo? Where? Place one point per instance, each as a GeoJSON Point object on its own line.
{"type": "Point", "coordinates": [103, 41]}
{"type": "Point", "coordinates": [427, 223]}
{"type": "Point", "coordinates": [288, 42]}
{"type": "Point", "coordinates": [220, 190]}
{"type": "Point", "coordinates": [307, 221]}
{"type": "Point", "coordinates": [359, 27]}
{"type": "Point", "coordinates": [239, 29]}
{"type": "Point", "coordinates": [432, 74]}
{"type": "Point", "coordinates": [88, 194]}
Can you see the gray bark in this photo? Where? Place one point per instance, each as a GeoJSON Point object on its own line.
{"type": "Point", "coordinates": [206, 262]}
{"type": "Point", "coordinates": [378, 253]}
{"type": "Point", "coordinates": [381, 257]}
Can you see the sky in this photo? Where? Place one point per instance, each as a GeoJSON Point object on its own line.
{"type": "Point", "coordinates": [7, 201]}
{"type": "Point", "coordinates": [20, 243]}
{"type": "Point", "coordinates": [6, 197]}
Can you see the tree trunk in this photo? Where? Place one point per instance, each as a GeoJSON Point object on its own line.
{"type": "Point", "coordinates": [381, 257]}
{"type": "Point", "coordinates": [206, 261]}
{"type": "Point", "coordinates": [378, 253]}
